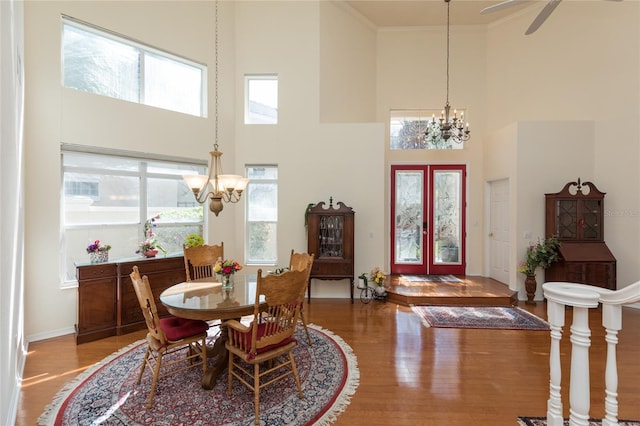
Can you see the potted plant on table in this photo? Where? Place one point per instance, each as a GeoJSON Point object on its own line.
{"type": "Point", "coordinates": [98, 252]}
{"type": "Point", "coordinates": [539, 255]}
{"type": "Point", "coordinates": [150, 246]}
{"type": "Point", "coordinates": [226, 268]}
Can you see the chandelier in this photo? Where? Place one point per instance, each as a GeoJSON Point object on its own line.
{"type": "Point", "coordinates": [217, 186]}
{"type": "Point", "coordinates": [447, 127]}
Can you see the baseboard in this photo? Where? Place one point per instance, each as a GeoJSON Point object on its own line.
{"type": "Point", "coordinates": [50, 334]}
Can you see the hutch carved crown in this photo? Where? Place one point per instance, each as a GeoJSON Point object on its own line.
{"type": "Point", "coordinates": [575, 216]}
{"type": "Point", "coordinates": [330, 237]}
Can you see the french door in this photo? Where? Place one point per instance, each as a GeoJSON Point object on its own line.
{"type": "Point", "coordinates": [428, 212]}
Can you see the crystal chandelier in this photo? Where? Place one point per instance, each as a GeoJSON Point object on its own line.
{"type": "Point", "coordinates": [216, 186]}
{"type": "Point", "coordinates": [447, 127]}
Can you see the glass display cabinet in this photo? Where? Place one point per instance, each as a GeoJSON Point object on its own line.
{"type": "Point", "coordinates": [330, 237]}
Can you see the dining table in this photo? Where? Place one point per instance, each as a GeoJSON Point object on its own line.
{"type": "Point", "coordinates": [207, 299]}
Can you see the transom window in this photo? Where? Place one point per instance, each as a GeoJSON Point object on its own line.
{"type": "Point", "coordinates": [109, 197]}
{"type": "Point", "coordinates": [97, 61]}
{"type": "Point", "coordinates": [407, 128]}
{"type": "Point", "coordinates": [261, 99]}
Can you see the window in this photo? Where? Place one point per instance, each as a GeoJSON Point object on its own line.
{"type": "Point", "coordinates": [109, 197]}
{"type": "Point", "coordinates": [104, 63]}
{"type": "Point", "coordinates": [407, 131]}
{"type": "Point", "coordinates": [262, 215]}
{"type": "Point", "coordinates": [261, 99]}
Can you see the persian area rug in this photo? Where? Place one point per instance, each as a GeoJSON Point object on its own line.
{"type": "Point", "coordinates": [496, 317]}
{"type": "Point", "coordinates": [542, 421]}
{"type": "Point", "coordinates": [107, 394]}
{"type": "Point", "coordinates": [431, 278]}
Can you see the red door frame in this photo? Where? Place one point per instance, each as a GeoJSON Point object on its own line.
{"type": "Point", "coordinates": [427, 265]}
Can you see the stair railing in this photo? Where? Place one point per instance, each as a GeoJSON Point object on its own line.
{"type": "Point", "coordinates": [582, 298]}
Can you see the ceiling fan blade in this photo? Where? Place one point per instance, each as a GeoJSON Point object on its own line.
{"type": "Point", "coordinates": [504, 5]}
{"type": "Point", "coordinates": [542, 16]}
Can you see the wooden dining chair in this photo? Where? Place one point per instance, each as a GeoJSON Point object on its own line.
{"type": "Point", "coordinates": [168, 336]}
{"type": "Point", "coordinates": [302, 262]}
{"type": "Point", "coordinates": [267, 337]}
{"type": "Point", "coordinates": [199, 260]}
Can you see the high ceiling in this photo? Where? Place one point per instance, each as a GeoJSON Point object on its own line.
{"type": "Point", "coordinates": [417, 13]}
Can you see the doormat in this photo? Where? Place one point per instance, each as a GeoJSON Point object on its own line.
{"type": "Point", "coordinates": [542, 421]}
{"type": "Point", "coordinates": [431, 278]}
{"type": "Point", "coordinates": [107, 393]}
{"type": "Point", "coordinates": [495, 317]}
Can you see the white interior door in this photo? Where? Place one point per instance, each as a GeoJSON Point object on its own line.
{"type": "Point", "coordinates": [499, 238]}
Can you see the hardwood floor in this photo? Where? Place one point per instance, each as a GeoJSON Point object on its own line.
{"type": "Point", "coordinates": [409, 374]}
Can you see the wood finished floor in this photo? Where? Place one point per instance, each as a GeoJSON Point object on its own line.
{"type": "Point", "coordinates": [409, 374]}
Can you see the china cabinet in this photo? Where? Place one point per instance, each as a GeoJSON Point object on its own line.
{"type": "Point", "coordinates": [330, 236]}
{"type": "Point", "coordinates": [575, 216]}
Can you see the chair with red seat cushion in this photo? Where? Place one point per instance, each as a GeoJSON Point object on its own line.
{"type": "Point", "coordinates": [269, 335]}
{"type": "Point", "coordinates": [167, 336]}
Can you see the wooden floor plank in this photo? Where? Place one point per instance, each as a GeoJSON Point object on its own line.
{"type": "Point", "coordinates": [409, 374]}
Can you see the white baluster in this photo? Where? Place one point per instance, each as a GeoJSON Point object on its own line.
{"type": "Point", "coordinates": [579, 392]}
{"type": "Point", "coordinates": [555, 314]}
{"type": "Point", "coordinates": [612, 322]}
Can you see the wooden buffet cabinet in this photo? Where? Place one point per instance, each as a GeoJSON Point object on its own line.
{"type": "Point", "coordinates": [107, 302]}
{"type": "Point", "coordinates": [575, 216]}
{"type": "Point", "coordinates": [330, 236]}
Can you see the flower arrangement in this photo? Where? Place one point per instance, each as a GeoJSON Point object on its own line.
{"type": "Point", "coordinates": [98, 252]}
{"type": "Point", "coordinates": [226, 268]}
{"type": "Point", "coordinates": [541, 254]}
{"type": "Point", "coordinates": [377, 275]}
{"type": "Point", "coordinates": [150, 243]}
{"type": "Point", "coordinates": [97, 246]}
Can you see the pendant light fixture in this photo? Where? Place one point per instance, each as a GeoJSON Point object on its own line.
{"type": "Point", "coordinates": [448, 128]}
{"type": "Point", "coordinates": [217, 187]}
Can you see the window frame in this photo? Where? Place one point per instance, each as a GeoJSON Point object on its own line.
{"type": "Point", "coordinates": [253, 181]}
{"type": "Point", "coordinates": [419, 116]}
{"type": "Point", "coordinates": [144, 50]}
{"type": "Point", "coordinates": [247, 98]}
{"type": "Point", "coordinates": [144, 161]}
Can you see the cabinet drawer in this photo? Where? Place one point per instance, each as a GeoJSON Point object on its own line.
{"type": "Point", "coordinates": [332, 268]}
{"type": "Point", "coordinates": [100, 270]}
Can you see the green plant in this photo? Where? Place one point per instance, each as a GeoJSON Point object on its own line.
{"type": "Point", "coordinates": [540, 255]}
{"type": "Point", "coordinates": [193, 240]}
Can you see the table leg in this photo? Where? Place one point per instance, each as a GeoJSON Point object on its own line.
{"type": "Point", "coordinates": [221, 354]}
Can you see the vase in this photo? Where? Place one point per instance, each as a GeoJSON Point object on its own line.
{"type": "Point", "coordinates": [227, 281]}
{"type": "Point", "coordinates": [99, 256]}
{"type": "Point", "coordinates": [150, 253]}
{"type": "Point", "coordinates": [380, 290]}
{"type": "Point", "coordinates": [530, 285]}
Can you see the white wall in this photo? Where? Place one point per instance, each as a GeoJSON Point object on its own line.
{"type": "Point", "coordinates": [581, 65]}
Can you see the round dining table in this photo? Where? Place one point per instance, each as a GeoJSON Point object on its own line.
{"type": "Point", "coordinates": [206, 299]}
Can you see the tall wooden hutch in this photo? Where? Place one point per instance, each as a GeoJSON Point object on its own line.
{"type": "Point", "coordinates": [576, 216]}
{"type": "Point", "coordinates": [330, 236]}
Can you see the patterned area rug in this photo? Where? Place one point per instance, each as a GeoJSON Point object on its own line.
{"type": "Point", "coordinates": [497, 317]}
{"type": "Point", "coordinates": [431, 278]}
{"type": "Point", "coordinates": [107, 394]}
{"type": "Point", "coordinates": [542, 421]}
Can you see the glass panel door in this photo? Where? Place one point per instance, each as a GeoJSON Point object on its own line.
{"type": "Point", "coordinates": [427, 203]}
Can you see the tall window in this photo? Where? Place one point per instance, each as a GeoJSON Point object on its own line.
{"type": "Point", "coordinates": [261, 99]}
{"type": "Point", "coordinates": [262, 215]}
{"type": "Point", "coordinates": [109, 197]}
{"type": "Point", "coordinates": [101, 62]}
{"type": "Point", "coordinates": [407, 130]}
